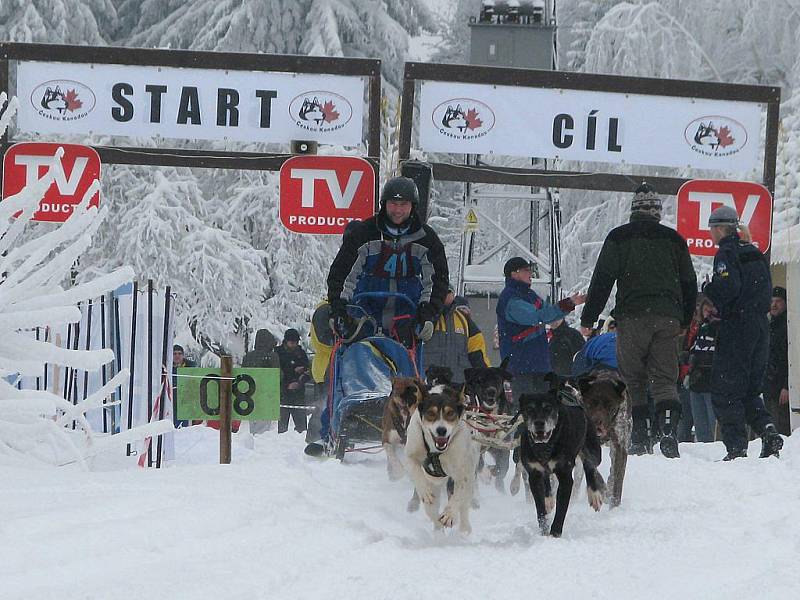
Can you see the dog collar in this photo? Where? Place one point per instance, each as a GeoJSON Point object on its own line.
{"type": "Point", "coordinates": [432, 464]}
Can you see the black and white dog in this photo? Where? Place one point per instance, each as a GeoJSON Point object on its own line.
{"type": "Point", "coordinates": [553, 435]}
{"type": "Point", "coordinates": [439, 447]}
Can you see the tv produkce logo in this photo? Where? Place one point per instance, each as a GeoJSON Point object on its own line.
{"type": "Point", "coordinates": [715, 136]}
{"type": "Point", "coordinates": [463, 118]}
{"type": "Point", "coordinates": [320, 111]}
{"type": "Point", "coordinates": [63, 100]}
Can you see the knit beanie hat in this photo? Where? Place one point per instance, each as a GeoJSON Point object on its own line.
{"type": "Point", "coordinates": [646, 202]}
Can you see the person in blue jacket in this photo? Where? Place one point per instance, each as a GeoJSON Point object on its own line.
{"type": "Point", "coordinates": [600, 352]}
{"type": "Point", "coordinates": [521, 319]}
{"type": "Point", "coordinates": [741, 291]}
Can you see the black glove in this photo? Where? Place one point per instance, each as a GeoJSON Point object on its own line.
{"type": "Point", "coordinates": [338, 308]}
{"type": "Point", "coordinates": [339, 320]}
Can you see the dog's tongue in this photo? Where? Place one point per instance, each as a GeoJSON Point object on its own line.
{"type": "Point", "coordinates": [441, 442]}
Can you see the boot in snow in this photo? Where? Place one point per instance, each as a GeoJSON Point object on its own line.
{"type": "Point", "coordinates": [735, 453]}
{"type": "Point", "coordinates": [771, 442]}
{"type": "Point", "coordinates": [640, 434]}
{"type": "Point", "coordinates": [669, 413]}
{"type": "Point", "coordinates": [315, 449]}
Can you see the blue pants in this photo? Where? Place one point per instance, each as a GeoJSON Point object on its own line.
{"type": "Point", "coordinates": [737, 376]}
{"type": "Point", "coordinates": [703, 413]}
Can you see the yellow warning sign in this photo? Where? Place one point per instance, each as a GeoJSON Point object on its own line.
{"type": "Point", "coordinates": [471, 222]}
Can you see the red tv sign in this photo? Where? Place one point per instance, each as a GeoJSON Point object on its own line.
{"type": "Point", "coordinates": [26, 163]}
{"type": "Point", "coordinates": [697, 198]}
{"type": "Point", "coordinates": [322, 194]}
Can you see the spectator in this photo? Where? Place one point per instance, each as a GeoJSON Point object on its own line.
{"type": "Point", "coordinates": [294, 374]}
{"type": "Point", "coordinates": [740, 291]}
{"type": "Point", "coordinates": [656, 291]}
{"type": "Point", "coordinates": [521, 319]}
{"type": "Point", "coordinates": [685, 342]}
{"type": "Point", "coordinates": [776, 385]}
{"type": "Point", "coordinates": [701, 357]}
{"type": "Point", "coordinates": [565, 343]}
{"type": "Point", "coordinates": [392, 251]}
{"type": "Point", "coordinates": [457, 342]}
{"type": "Point", "coordinates": [178, 360]}
{"type": "Point", "coordinates": [262, 356]}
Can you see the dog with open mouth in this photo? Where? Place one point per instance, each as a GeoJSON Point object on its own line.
{"type": "Point", "coordinates": [484, 389]}
{"type": "Point", "coordinates": [439, 447]}
{"type": "Point", "coordinates": [407, 392]}
{"type": "Point", "coordinates": [605, 399]}
{"type": "Point", "coordinates": [554, 435]}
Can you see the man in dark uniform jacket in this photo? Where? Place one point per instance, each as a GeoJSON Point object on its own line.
{"type": "Point", "coordinates": [776, 385]}
{"type": "Point", "coordinates": [656, 293]}
{"type": "Point", "coordinates": [741, 292]}
{"type": "Point", "coordinates": [393, 251]}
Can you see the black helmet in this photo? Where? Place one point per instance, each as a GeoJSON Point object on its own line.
{"type": "Point", "coordinates": [400, 188]}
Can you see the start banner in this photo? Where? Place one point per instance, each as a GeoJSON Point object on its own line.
{"type": "Point", "coordinates": [189, 103]}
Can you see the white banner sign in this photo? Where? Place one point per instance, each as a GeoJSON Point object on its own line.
{"type": "Point", "coordinates": [590, 126]}
{"type": "Point", "coordinates": [205, 104]}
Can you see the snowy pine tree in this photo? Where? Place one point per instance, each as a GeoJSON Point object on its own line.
{"type": "Point", "coordinates": [37, 424]}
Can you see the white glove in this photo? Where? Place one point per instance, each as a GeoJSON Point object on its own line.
{"type": "Point", "coordinates": [426, 333]}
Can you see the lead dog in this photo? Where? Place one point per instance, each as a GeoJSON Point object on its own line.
{"type": "Point", "coordinates": [406, 394]}
{"type": "Point", "coordinates": [608, 408]}
{"type": "Point", "coordinates": [553, 436]}
{"type": "Point", "coordinates": [439, 447]}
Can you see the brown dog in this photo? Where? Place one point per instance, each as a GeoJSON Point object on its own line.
{"type": "Point", "coordinates": [605, 400]}
{"type": "Point", "coordinates": [407, 393]}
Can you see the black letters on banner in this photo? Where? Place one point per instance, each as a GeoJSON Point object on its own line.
{"type": "Point", "coordinates": [124, 112]}
{"type": "Point", "coordinates": [613, 126]}
{"type": "Point", "coordinates": [189, 108]}
{"type": "Point", "coordinates": [266, 96]}
{"type": "Point", "coordinates": [155, 91]}
{"type": "Point", "coordinates": [591, 129]}
{"type": "Point", "coordinates": [227, 111]}
{"type": "Point", "coordinates": [562, 122]}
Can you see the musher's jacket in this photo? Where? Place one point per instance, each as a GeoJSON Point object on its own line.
{"type": "Point", "coordinates": [372, 258]}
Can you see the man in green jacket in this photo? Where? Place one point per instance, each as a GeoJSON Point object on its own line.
{"type": "Point", "coordinates": [656, 293]}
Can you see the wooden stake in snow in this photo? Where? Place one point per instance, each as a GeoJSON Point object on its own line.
{"type": "Point", "coordinates": [226, 378]}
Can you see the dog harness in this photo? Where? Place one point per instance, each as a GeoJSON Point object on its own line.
{"type": "Point", "coordinates": [432, 464]}
{"type": "Point", "coordinates": [399, 426]}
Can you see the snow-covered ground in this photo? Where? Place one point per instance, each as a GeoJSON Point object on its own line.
{"type": "Point", "coordinates": [277, 524]}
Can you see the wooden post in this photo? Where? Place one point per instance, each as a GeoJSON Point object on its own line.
{"type": "Point", "coordinates": [226, 375]}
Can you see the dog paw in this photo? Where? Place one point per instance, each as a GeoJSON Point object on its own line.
{"type": "Point", "coordinates": [514, 487]}
{"type": "Point", "coordinates": [595, 498]}
{"type": "Point", "coordinates": [448, 517]}
{"type": "Point", "coordinates": [549, 504]}
{"type": "Point", "coordinates": [555, 534]}
{"type": "Point", "coordinates": [413, 504]}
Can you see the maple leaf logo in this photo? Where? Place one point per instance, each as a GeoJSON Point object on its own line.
{"type": "Point", "coordinates": [473, 122]}
{"type": "Point", "coordinates": [725, 137]}
{"type": "Point", "coordinates": [329, 112]}
{"type": "Point", "coordinates": [73, 103]}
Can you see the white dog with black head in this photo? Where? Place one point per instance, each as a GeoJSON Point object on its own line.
{"type": "Point", "coordinates": [439, 449]}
